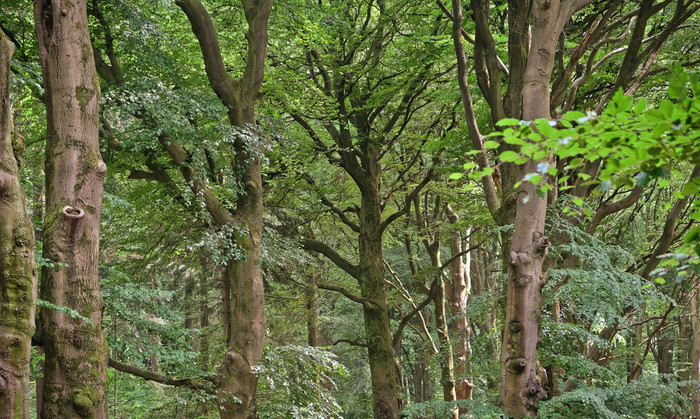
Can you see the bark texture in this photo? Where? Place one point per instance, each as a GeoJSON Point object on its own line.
{"type": "Point", "coordinates": [521, 376]}
{"type": "Point", "coordinates": [457, 295]}
{"type": "Point", "coordinates": [371, 278]}
{"type": "Point", "coordinates": [75, 368]}
{"type": "Point", "coordinates": [243, 293]}
{"type": "Point", "coordinates": [18, 276]}
{"type": "Point", "coordinates": [695, 348]}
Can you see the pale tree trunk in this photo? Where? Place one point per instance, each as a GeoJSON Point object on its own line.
{"type": "Point", "coordinates": [695, 348]}
{"type": "Point", "coordinates": [75, 369]}
{"type": "Point", "coordinates": [243, 281]}
{"type": "Point", "coordinates": [457, 295]}
{"type": "Point", "coordinates": [18, 276]}
{"type": "Point", "coordinates": [521, 376]}
{"type": "Point", "coordinates": [431, 241]}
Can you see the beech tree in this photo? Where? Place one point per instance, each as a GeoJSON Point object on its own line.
{"type": "Point", "coordinates": [276, 237]}
{"type": "Point", "coordinates": [536, 31]}
{"type": "Point", "coordinates": [18, 275]}
{"type": "Point", "coordinates": [75, 368]}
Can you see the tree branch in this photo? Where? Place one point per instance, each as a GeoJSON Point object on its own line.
{"type": "Point", "coordinates": [152, 376]}
{"type": "Point", "coordinates": [409, 199]}
{"type": "Point", "coordinates": [322, 248]}
{"type": "Point", "coordinates": [416, 309]}
{"type": "Point", "coordinates": [352, 297]}
{"type": "Point", "coordinates": [350, 342]}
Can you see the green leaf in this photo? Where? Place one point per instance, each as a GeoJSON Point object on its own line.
{"type": "Point", "coordinates": [660, 281]}
{"type": "Point", "coordinates": [456, 176]}
{"type": "Point", "coordinates": [578, 201]}
{"type": "Point", "coordinates": [491, 145]}
{"type": "Point", "coordinates": [507, 122]}
{"type": "Point", "coordinates": [509, 156]}
{"type": "Point", "coordinates": [666, 108]}
{"type": "Point", "coordinates": [640, 106]}
{"type": "Point", "coordinates": [642, 179]}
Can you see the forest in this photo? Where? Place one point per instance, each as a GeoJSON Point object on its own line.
{"type": "Point", "coordinates": [349, 209]}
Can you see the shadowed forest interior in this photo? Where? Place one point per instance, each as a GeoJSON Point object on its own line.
{"type": "Point", "coordinates": [349, 209]}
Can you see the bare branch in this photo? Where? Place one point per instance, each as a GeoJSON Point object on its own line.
{"type": "Point", "coordinates": [351, 343]}
{"type": "Point", "coordinates": [322, 248]}
{"type": "Point", "coordinates": [152, 376]}
{"type": "Point", "coordinates": [409, 199]}
{"type": "Point", "coordinates": [352, 297]}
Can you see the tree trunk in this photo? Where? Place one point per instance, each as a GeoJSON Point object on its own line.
{"type": "Point", "coordinates": [242, 278]}
{"type": "Point", "coordinates": [75, 372]}
{"type": "Point", "coordinates": [695, 352]}
{"type": "Point", "coordinates": [521, 375]}
{"type": "Point", "coordinates": [18, 276]}
{"type": "Point", "coordinates": [458, 295]}
{"type": "Point", "coordinates": [311, 316]}
{"type": "Point", "coordinates": [445, 353]}
{"type": "Point", "coordinates": [378, 334]}
{"type": "Point", "coordinates": [370, 275]}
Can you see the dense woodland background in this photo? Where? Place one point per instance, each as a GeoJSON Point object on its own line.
{"type": "Point", "coordinates": [350, 208]}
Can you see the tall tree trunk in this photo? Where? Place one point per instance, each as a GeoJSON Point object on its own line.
{"type": "Point", "coordinates": [243, 281]}
{"type": "Point", "coordinates": [521, 377]}
{"type": "Point", "coordinates": [695, 351]}
{"type": "Point", "coordinates": [445, 353]}
{"type": "Point", "coordinates": [458, 294]}
{"type": "Point", "coordinates": [18, 276]}
{"type": "Point", "coordinates": [75, 371]}
{"type": "Point", "coordinates": [378, 334]}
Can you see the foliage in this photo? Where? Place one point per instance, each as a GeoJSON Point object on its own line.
{"type": "Point", "coordinates": [647, 396]}
{"type": "Point", "coordinates": [442, 409]}
{"type": "Point", "coordinates": [62, 309]}
{"type": "Point", "coordinates": [298, 382]}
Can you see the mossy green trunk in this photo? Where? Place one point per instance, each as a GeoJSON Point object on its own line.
{"type": "Point", "coordinates": [371, 278]}
{"type": "Point", "coordinates": [75, 370]}
{"type": "Point", "coordinates": [17, 267]}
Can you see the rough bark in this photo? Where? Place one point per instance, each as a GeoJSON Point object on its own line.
{"type": "Point", "coordinates": [75, 369]}
{"type": "Point", "coordinates": [243, 282]}
{"type": "Point", "coordinates": [371, 278]}
{"type": "Point", "coordinates": [18, 275]}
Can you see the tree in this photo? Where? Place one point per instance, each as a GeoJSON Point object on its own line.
{"type": "Point", "coordinates": [243, 282]}
{"type": "Point", "coordinates": [18, 275]}
{"type": "Point", "coordinates": [535, 33]}
{"type": "Point", "coordinates": [75, 371]}
{"type": "Point", "coordinates": [365, 118]}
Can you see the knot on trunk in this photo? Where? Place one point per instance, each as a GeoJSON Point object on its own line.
{"type": "Point", "coordinates": [73, 212]}
{"type": "Point", "coordinates": [523, 280]}
{"type": "Point", "coordinates": [517, 365]}
{"type": "Point", "coordinates": [101, 168]}
{"type": "Point", "coordinates": [533, 392]}
{"type": "Point", "coordinates": [540, 243]}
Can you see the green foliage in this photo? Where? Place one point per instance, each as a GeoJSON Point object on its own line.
{"type": "Point", "coordinates": [637, 144]}
{"type": "Point", "coordinates": [298, 382]}
{"type": "Point", "coordinates": [63, 309]}
{"type": "Point", "coordinates": [645, 397]}
{"type": "Point", "coordinates": [442, 409]}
